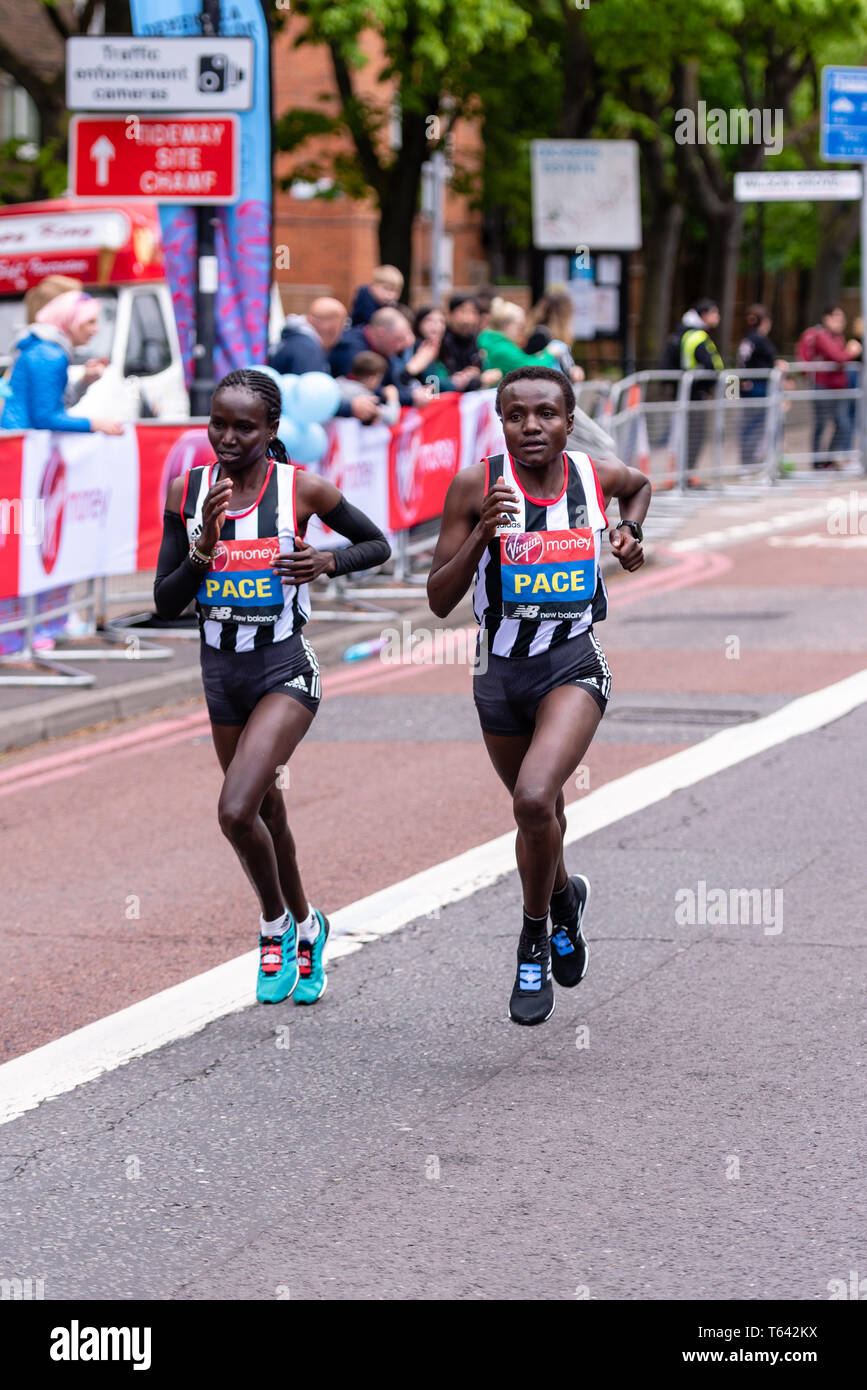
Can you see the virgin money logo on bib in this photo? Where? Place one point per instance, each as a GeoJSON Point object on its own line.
{"type": "Point", "coordinates": [219, 556]}
{"type": "Point", "coordinates": [525, 548]}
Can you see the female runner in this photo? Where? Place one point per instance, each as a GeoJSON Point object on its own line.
{"type": "Point", "coordinates": [529, 526]}
{"type": "Point", "coordinates": [233, 539]}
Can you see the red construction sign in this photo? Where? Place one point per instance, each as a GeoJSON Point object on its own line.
{"type": "Point", "coordinates": [176, 159]}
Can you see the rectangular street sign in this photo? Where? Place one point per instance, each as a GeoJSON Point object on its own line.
{"type": "Point", "coordinates": [119, 73]}
{"type": "Point", "coordinates": [585, 193]}
{"type": "Point", "coordinates": [796, 185]}
{"type": "Point", "coordinates": [844, 113]}
{"type": "Point", "coordinates": [180, 159]}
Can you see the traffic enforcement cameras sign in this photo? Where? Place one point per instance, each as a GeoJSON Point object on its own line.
{"type": "Point", "coordinates": [112, 73]}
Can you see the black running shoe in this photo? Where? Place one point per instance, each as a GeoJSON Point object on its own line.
{"type": "Point", "coordinates": [569, 951]}
{"type": "Point", "coordinates": [532, 998]}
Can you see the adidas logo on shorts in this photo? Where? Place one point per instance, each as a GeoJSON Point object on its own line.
{"type": "Point", "coordinates": [299, 683]}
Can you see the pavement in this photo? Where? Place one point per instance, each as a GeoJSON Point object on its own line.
{"type": "Point", "coordinates": [686, 1126]}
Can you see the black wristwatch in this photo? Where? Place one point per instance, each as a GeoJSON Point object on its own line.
{"type": "Point", "coordinates": [635, 528]}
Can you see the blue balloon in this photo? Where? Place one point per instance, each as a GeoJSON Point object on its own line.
{"type": "Point", "coordinates": [316, 398]}
{"type": "Point", "coordinates": [269, 371]}
{"type": "Point", "coordinates": [288, 433]}
{"type": "Point", "coordinates": [287, 386]}
{"type": "Point", "coordinates": [310, 444]}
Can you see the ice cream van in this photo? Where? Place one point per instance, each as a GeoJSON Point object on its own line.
{"type": "Point", "coordinates": [117, 254]}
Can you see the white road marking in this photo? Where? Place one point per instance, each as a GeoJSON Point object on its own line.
{"type": "Point", "coordinates": [186, 1008]}
{"type": "Point", "coordinates": [816, 538]}
{"type": "Point", "coordinates": [750, 530]}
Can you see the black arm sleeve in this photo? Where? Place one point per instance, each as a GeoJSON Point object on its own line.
{"type": "Point", "coordinates": [369, 546]}
{"type": "Point", "coordinates": [178, 579]}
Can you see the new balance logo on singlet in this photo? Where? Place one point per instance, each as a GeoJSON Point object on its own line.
{"type": "Point", "coordinates": [551, 558]}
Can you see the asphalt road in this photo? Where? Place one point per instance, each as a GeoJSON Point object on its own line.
{"type": "Point", "coordinates": [688, 1124]}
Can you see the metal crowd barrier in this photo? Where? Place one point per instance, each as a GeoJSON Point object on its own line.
{"type": "Point", "coordinates": [703, 429]}
{"type": "Point", "coordinates": [41, 661]}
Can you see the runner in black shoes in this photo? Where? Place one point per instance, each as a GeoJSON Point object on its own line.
{"type": "Point", "coordinates": [233, 540]}
{"type": "Point", "coordinates": [529, 526]}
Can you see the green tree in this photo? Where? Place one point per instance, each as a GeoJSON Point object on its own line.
{"type": "Point", "coordinates": [427, 80]}
{"type": "Point", "coordinates": [41, 70]}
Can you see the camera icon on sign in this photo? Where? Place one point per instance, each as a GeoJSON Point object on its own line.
{"type": "Point", "coordinates": [216, 73]}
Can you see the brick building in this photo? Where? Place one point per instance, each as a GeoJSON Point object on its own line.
{"type": "Point", "coordinates": [333, 244]}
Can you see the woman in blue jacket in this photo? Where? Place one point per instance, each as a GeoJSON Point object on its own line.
{"type": "Point", "coordinates": [35, 389]}
{"type": "Point", "coordinates": [32, 399]}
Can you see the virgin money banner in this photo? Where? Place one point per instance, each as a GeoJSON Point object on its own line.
{"type": "Point", "coordinates": [18, 523]}
{"type": "Point", "coordinates": [356, 462]}
{"type": "Point", "coordinates": [85, 488]}
{"type": "Point", "coordinates": [424, 456]}
{"type": "Point", "coordinates": [481, 431]}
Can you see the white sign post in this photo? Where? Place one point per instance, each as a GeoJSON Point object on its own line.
{"type": "Point", "coordinates": [797, 185]}
{"type": "Point", "coordinates": [586, 193]}
{"type": "Point", "coordinates": [155, 74]}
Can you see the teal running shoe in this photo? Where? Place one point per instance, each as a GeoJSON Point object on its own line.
{"type": "Point", "coordinates": [311, 965]}
{"type": "Point", "coordinates": [278, 965]}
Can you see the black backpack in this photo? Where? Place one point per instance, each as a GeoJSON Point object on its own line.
{"type": "Point", "coordinates": [670, 358]}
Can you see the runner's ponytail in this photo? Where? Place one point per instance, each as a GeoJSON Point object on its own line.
{"type": "Point", "coordinates": [277, 450]}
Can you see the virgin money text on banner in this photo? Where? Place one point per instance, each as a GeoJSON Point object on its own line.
{"type": "Point", "coordinates": [87, 492]}
{"type": "Point", "coordinates": [243, 231]}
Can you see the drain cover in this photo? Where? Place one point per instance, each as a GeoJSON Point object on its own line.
{"type": "Point", "coordinates": [642, 714]}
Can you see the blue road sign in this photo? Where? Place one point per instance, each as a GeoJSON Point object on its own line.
{"type": "Point", "coordinates": [844, 113]}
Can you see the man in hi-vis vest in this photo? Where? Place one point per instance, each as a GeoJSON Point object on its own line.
{"type": "Point", "coordinates": [699, 351]}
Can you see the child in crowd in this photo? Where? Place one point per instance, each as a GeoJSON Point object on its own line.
{"type": "Point", "coordinates": [365, 379]}
{"type": "Point", "coordinates": [384, 291]}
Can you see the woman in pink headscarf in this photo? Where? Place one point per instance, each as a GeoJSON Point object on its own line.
{"type": "Point", "coordinates": [33, 400]}
{"type": "Point", "coordinates": [35, 389]}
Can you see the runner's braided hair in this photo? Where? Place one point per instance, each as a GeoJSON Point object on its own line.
{"type": "Point", "coordinates": [261, 384]}
{"type": "Point", "coordinates": [534, 373]}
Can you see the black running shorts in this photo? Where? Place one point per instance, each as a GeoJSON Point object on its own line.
{"type": "Point", "coordinates": [236, 681]}
{"type": "Point", "coordinates": [508, 693]}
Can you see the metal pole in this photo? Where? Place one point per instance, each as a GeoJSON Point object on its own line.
{"type": "Point", "coordinates": [438, 180]}
{"type": "Point", "coordinates": [863, 381]}
{"type": "Point", "coordinates": [206, 295]}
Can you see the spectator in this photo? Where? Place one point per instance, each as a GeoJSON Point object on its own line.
{"type": "Point", "coordinates": [552, 327]}
{"type": "Point", "coordinates": [39, 373]}
{"type": "Point", "coordinates": [39, 295]}
{"type": "Point", "coordinates": [387, 333]}
{"type": "Point", "coordinates": [365, 378]}
{"type": "Point", "coordinates": [459, 349]}
{"type": "Point", "coordinates": [426, 362]}
{"type": "Point", "coordinates": [502, 339]}
{"type": "Point", "coordinates": [35, 399]}
{"type": "Point", "coordinates": [484, 298]}
{"type": "Point", "coordinates": [383, 292]}
{"type": "Point", "coordinates": [304, 344]}
{"type": "Point", "coordinates": [692, 348]}
{"type": "Point", "coordinates": [853, 373]}
{"type": "Point", "coordinates": [756, 352]}
{"type": "Point", "coordinates": [825, 342]}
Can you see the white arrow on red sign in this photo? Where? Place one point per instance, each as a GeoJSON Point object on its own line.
{"type": "Point", "coordinates": [102, 152]}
